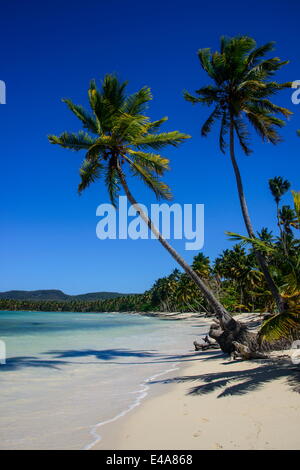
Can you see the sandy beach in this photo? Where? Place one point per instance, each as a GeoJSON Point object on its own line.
{"type": "Point", "coordinates": [212, 403]}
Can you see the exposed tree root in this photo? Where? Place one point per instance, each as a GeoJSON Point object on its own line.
{"type": "Point", "coordinates": [235, 338]}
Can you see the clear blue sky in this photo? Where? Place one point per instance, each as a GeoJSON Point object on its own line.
{"type": "Point", "coordinates": [51, 50]}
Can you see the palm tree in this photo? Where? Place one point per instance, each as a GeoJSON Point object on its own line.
{"type": "Point", "coordinates": [119, 133]}
{"type": "Point", "coordinates": [242, 89]}
{"type": "Point", "coordinates": [288, 219]}
{"type": "Point", "coordinates": [278, 187]}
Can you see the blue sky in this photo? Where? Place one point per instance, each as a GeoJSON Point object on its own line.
{"type": "Point", "coordinates": [51, 50]}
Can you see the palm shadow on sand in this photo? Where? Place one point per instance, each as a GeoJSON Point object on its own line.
{"type": "Point", "coordinates": [69, 356]}
{"type": "Point", "coordinates": [240, 382]}
{"type": "Point", "coordinates": [151, 356]}
{"type": "Point", "coordinates": [23, 362]}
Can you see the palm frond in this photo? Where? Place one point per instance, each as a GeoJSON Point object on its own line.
{"type": "Point", "coordinates": [161, 190]}
{"type": "Point", "coordinates": [104, 109]}
{"type": "Point", "coordinates": [279, 326]}
{"type": "Point", "coordinates": [204, 56]}
{"type": "Point", "coordinates": [268, 106]}
{"type": "Point", "coordinates": [136, 103]}
{"type": "Point", "coordinates": [113, 91]}
{"type": "Point", "coordinates": [158, 141]}
{"type": "Point", "coordinates": [128, 128]}
{"type": "Point", "coordinates": [89, 172]}
{"type": "Point", "coordinates": [152, 126]}
{"type": "Point", "coordinates": [243, 134]}
{"type": "Point", "coordinates": [72, 141]}
{"type": "Point", "coordinates": [257, 243]}
{"type": "Point", "coordinates": [191, 98]}
{"type": "Point", "coordinates": [264, 124]}
{"type": "Point", "coordinates": [112, 182]}
{"type": "Point", "coordinates": [260, 52]}
{"type": "Point", "coordinates": [151, 161]}
{"type": "Point", "coordinates": [87, 120]}
{"type": "Point", "coordinates": [206, 128]}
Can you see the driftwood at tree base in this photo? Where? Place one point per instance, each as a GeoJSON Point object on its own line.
{"type": "Point", "coordinates": [205, 346]}
{"type": "Point", "coordinates": [242, 351]}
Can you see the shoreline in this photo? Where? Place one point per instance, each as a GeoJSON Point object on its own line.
{"type": "Point", "coordinates": [102, 369]}
{"type": "Point", "coordinates": [142, 395]}
{"type": "Point", "coordinates": [211, 403]}
{"type": "Point", "coordinates": [146, 392]}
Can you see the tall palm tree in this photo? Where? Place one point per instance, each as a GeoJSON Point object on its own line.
{"type": "Point", "coordinates": [278, 187]}
{"type": "Point", "coordinates": [242, 89]}
{"type": "Point", "coordinates": [119, 133]}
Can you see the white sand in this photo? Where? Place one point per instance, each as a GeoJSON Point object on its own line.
{"type": "Point", "coordinates": [262, 411]}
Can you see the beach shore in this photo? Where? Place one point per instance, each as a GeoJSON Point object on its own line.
{"type": "Point", "coordinates": [212, 403]}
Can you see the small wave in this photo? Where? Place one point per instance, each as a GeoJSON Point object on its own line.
{"type": "Point", "coordinates": [142, 393]}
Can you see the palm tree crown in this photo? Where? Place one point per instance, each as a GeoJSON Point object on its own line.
{"type": "Point", "coordinates": [117, 131]}
{"type": "Point", "coordinates": [242, 88]}
{"type": "Point", "coordinates": [278, 187]}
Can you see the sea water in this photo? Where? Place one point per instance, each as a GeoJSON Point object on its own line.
{"type": "Point", "coordinates": [67, 374]}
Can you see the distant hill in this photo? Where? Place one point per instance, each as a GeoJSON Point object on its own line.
{"type": "Point", "coordinates": [57, 295]}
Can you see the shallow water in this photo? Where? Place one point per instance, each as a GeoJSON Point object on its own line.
{"type": "Point", "coordinates": [68, 373]}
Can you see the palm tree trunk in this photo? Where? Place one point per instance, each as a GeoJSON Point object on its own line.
{"type": "Point", "coordinates": [260, 258]}
{"type": "Point", "coordinates": [282, 234]}
{"type": "Point", "coordinates": [218, 308]}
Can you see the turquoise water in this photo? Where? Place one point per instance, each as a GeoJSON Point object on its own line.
{"type": "Point", "coordinates": [68, 373]}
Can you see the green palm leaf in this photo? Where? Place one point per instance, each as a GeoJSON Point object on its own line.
{"type": "Point", "coordinates": [161, 190]}
{"type": "Point", "coordinates": [79, 141]}
{"type": "Point", "coordinates": [88, 121]}
{"type": "Point", "coordinates": [279, 326]}
{"type": "Point", "coordinates": [151, 161]}
{"type": "Point", "coordinates": [137, 102]}
{"type": "Point", "coordinates": [89, 172]}
{"type": "Point", "coordinates": [159, 141]}
{"type": "Point", "coordinates": [112, 182]}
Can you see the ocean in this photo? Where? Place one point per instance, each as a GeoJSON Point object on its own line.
{"type": "Point", "coordinates": [68, 374]}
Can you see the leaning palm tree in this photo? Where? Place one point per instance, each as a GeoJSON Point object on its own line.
{"type": "Point", "coordinates": [119, 133]}
{"type": "Point", "coordinates": [242, 88]}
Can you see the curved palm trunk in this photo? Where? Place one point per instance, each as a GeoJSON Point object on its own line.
{"type": "Point", "coordinates": [260, 258]}
{"type": "Point", "coordinates": [218, 308]}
